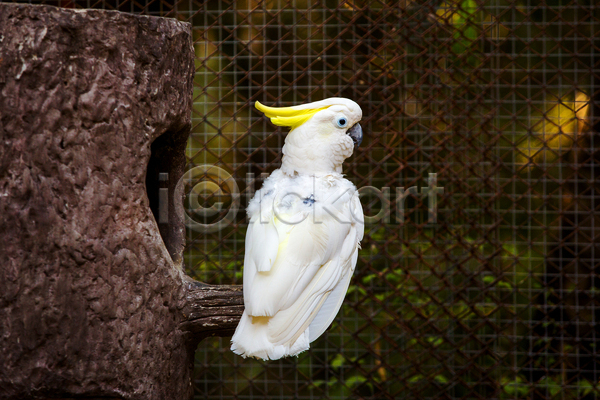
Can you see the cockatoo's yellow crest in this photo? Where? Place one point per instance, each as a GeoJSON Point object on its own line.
{"type": "Point", "coordinates": [288, 116]}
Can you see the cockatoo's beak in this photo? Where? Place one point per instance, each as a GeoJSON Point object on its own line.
{"type": "Point", "coordinates": [355, 132]}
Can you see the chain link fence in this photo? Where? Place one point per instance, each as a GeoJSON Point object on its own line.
{"type": "Point", "coordinates": [478, 275]}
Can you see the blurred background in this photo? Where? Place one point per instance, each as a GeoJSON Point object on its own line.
{"type": "Point", "coordinates": [494, 295]}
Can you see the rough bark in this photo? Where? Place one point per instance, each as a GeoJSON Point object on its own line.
{"type": "Point", "coordinates": [93, 300]}
{"type": "Point", "coordinates": [212, 310]}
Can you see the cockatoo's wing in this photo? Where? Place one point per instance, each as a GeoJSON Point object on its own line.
{"type": "Point", "coordinates": [301, 250]}
{"type": "Point", "coordinates": [333, 303]}
{"type": "Point", "coordinates": [301, 284]}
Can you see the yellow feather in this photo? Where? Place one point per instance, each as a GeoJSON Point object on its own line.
{"type": "Point", "coordinates": [287, 116]}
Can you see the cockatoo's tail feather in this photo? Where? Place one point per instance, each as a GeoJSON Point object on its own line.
{"type": "Point", "coordinates": [305, 227]}
{"type": "Point", "coordinates": [251, 339]}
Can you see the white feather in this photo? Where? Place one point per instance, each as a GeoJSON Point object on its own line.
{"type": "Point", "coordinates": [332, 305]}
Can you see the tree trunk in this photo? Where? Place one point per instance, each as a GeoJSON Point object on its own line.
{"type": "Point", "coordinates": [93, 299]}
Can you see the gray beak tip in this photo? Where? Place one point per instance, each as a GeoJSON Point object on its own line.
{"type": "Point", "coordinates": [355, 132]}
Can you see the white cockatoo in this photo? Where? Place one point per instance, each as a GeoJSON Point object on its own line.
{"type": "Point", "coordinates": [306, 224]}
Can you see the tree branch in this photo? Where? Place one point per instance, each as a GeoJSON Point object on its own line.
{"type": "Point", "coordinates": [211, 310]}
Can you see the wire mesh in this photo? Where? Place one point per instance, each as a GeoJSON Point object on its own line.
{"type": "Point", "coordinates": [491, 292]}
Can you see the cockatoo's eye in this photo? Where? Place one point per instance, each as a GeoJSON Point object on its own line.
{"type": "Point", "coordinates": [341, 122]}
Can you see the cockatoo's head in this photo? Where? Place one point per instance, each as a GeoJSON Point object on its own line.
{"type": "Point", "coordinates": [323, 134]}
